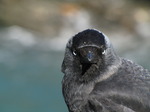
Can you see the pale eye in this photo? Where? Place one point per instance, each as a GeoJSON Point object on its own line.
{"type": "Point", "coordinates": [103, 52]}
{"type": "Point", "coordinates": [74, 53]}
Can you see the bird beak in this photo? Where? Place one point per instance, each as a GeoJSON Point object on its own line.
{"type": "Point", "coordinates": [89, 56]}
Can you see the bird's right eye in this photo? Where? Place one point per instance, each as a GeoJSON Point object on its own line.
{"type": "Point", "coordinates": [74, 52]}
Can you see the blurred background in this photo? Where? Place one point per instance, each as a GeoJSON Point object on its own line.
{"type": "Point", "coordinates": [33, 34]}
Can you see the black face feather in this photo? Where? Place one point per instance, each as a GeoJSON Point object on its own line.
{"type": "Point", "coordinates": [88, 47]}
{"type": "Point", "coordinates": [88, 37]}
{"type": "Point", "coordinates": [85, 67]}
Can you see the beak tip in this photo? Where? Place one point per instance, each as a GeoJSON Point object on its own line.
{"type": "Point", "coordinates": [89, 56]}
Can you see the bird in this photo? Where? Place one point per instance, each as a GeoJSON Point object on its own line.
{"type": "Point", "coordinates": [97, 79]}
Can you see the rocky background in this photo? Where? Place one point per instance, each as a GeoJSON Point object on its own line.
{"type": "Point", "coordinates": [48, 17]}
{"type": "Point", "coordinates": [55, 18]}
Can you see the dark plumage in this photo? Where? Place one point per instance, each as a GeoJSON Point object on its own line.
{"type": "Point", "coordinates": [98, 80]}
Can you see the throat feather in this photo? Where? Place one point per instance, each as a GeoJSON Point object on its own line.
{"type": "Point", "coordinates": [85, 67]}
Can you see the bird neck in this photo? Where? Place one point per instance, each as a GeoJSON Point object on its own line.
{"type": "Point", "coordinates": [103, 69]}
{"type": "Point", "coordinates": [112, 64]}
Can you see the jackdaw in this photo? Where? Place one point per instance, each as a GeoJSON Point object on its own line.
{"type": "Point", "coordinates": [98, 80]}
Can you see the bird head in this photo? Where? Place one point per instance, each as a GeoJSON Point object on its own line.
{"type": "Point", "coordinates": [89, 46]}
{"type": "Point", "coordinates": [88, 54]}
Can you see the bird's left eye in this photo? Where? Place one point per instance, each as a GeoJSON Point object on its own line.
{"type": "Point", "coordinates": [103, 52]}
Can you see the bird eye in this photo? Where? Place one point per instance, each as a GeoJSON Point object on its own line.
{"type": "Point", "coordinates": [103, 52]}
{"type": "Point", "coordinates": [74, 53]}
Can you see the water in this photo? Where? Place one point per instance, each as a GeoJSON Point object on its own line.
{"type": "Point", "coordinates": [33, 84]}
{"type": "Point", "coordinates": [30, 78]}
